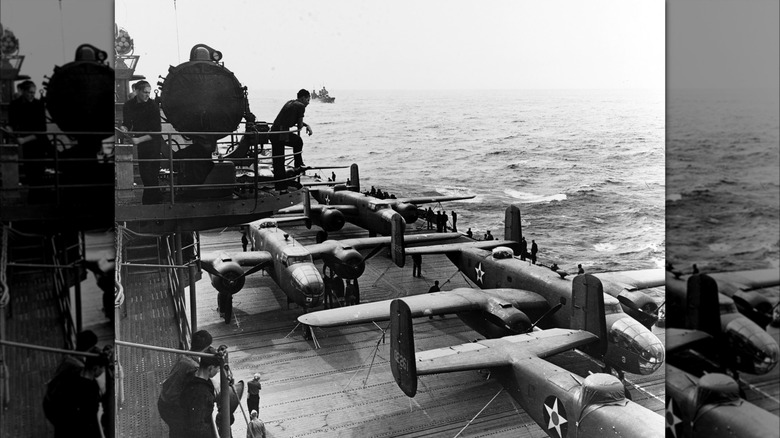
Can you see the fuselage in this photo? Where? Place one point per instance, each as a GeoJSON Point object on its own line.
{"type": "Point", "coordinates": [553, 398]}
{"type": "Point", "coordinates": [293, 268]}
{"type": "Point", "coordinates": [692, 411]}
{"type": "Point", "coordinates": [373, 214]}
{"type": "Point", "coordinates": [754, 350]}
{"type": "Point", "coordinates": [630, 346]}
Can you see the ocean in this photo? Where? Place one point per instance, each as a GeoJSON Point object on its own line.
{"type": "Point", "coordinates": [723, 202]}
{"type": "Point", "coordinates": [586, 167]}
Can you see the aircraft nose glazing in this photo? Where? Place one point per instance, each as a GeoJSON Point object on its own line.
{"type": "Point", "coordinates": [757, 344]}
{"type": "Point", "coordinates": [309, 282]}
{"type": "Point", "coordinates": [635, 337]}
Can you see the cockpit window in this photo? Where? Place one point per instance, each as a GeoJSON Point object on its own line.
{"type": "Point", "coordinates": [293, 259]}
{"type": "Point", "coordinates": [268, 224]}
{"type": "Point", "coordinates": [502, 252]}
{"type": "Point", "coordinates": [375, 207]}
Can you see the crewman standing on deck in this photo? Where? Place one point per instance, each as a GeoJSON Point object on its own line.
{"type": "Point", "coordinates": [290, 115]}
{"type": "Point", "coordinates": [454, 222]}
{"type": "Point", "coordinates": [523, 248]}
{"type": "Point", "coordinates": [534, 250]}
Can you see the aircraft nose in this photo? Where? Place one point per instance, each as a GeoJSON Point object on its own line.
{"type": "Point", "coordinates": [309, 282]}
{"type": "Point", "coordinates": [633, 336]}
{"type": "Point", "coordinates": [753, 343]}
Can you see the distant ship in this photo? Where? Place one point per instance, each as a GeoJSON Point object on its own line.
{"type": "Point", "coordinates": [322, 96]}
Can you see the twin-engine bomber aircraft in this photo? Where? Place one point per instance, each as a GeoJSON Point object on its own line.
{"type": "Point", "coordinates": [561, 403]}
{"type": "Point", "coordinates": [695, 304]}
{"type": "Point", "coordinates": [496, 313]}
{"type": "Point", "coordinates": [338, 205]}
{"type": "Point", "coordinates": [291, 265]}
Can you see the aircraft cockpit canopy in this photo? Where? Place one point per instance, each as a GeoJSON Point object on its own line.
{"type": "Point", "coordinates": [373, 206]}
{"type": "Point", "coordinates": [502, 252]}
{"type": "Point", "coordinates": [268, 224]}
{"type": "Point", "coordinates": [602, 389]}
{"type": "Point", "coordinates": [295, 254]}
{"type": "Point", "coordinates": [715, 388]}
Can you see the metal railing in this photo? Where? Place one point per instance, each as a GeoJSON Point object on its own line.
{"type": "Point", "coordinates": [254, 158]}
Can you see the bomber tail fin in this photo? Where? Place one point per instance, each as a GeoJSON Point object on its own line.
{"type": "Point", "coordinates": [307, 207]}
{"type": "Point", "coordinates": [354, 178]}
{"type": "Point", "coordinates": [587, 301]}
{"type": "Point", "coordinates": [397, 252]}
{"type": "Point", "coordinates": [703, 306]}
{"type": "Point", "coordinates": [402, 358]}
{"type": "Point", "coordinates": [513, 229]}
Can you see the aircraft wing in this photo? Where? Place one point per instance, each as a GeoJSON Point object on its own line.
{"type": "Point", "coordinates": [680, 339]}
{"type": "Point", "coordinates": [455, 247]}
{"type": "Point", "coordinates": [746, 280]}
{"type": "Point", "coordinates": [429, 199]}
{"type": "Point", "coordinates": [490, 353]}
{"type": "Point", "coordinates": [632, 280]}
{"type": "Point", "coordinates": [436, 303]}
{"type": "Point", "coordinates": [359, 243]}
{"type": "Point", "coordinates": [250, 258]}
{"type": "Point", "coordinates": [298, 209]}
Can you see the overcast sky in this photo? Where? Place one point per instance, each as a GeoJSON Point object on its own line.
{"type": "Point", "coordinates": [405, 44]}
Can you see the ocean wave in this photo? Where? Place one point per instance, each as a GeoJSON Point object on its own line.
{"type": "Point", "coordinates": [604, 247]}
{"type": "Point", "coordinates": [528, 198]}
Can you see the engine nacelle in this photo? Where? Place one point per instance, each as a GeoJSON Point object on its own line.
{"type": "Point", "coordinates": [347, 263]}
{"type": "Point", "coordinates": [332, 219]}
{"type": "Point", "coordinates": [231, 279]}
{"type": "Point", "coordinates": [408, 211]}
{"type": "Point", "coordinates": [504, 320]}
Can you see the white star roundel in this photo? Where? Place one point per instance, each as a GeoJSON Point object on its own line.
{"type": "Point", "coordinates": [480, 272]}
{"type": "Point", "coordinates": [555, 417]}
{"type": "Point", "coordinates": [327, 199]}
{"type": "Point", "coordinates": [672, 420]}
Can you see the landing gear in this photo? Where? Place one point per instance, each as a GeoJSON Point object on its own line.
{"type": "Point", "coordinates": [306, 332]}
{"type": "Point", "coordinates": [225, 306]}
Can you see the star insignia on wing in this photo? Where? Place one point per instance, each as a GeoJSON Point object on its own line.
{"type": "Point", "coordinates": [480, 272]}
{"type": "Point", "coordinates": [327, 199]}
{"type": "Point", "coordinates": [672, 420]}
{"type": "Point", "coordinates": [557, 419]}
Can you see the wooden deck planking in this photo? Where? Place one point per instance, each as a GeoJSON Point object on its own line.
{"type": "Point", "coordinates": [321, 392]}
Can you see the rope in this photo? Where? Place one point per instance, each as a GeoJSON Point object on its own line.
{"type": "Point", "coordinates": [119, 291]}
{"type": "Point", "coordinates": [480, 411]}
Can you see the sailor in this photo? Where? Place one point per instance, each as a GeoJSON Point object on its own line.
{"type": "Point", "coordinates": [143, 114]}
{"type": "Point", "coordinates": [77, 400]}
{"type": "Point", "coordinates": [256, 427]}
{"type": "Point", "coordinates": [290, 115]}
{"type": "Point", "coordinates": [439, 223]}
{"type": "Point", "coordinates": [244, 241]}
{"type": "Point", "coordinates": [554, 267]}
{"type": "Point", "coordinates": [372, 192]}
{"type": "Point", "coordinates": [429, 218]}
{"type": "Point", "coordinates": [469, 233]}
{"type": "Point", "coordinates": [523, 248]}
{"type": "Point", "coordinates": [168, 404]}
{"type": "Point", "coordinates": [198, 397]}
{"type": "Point", "coordinates": [454, 221]}
{"type": "Point", "coordinates": [416, 265]}
{"type": "Point", "coordinates": [534, 250]}
{"type": "Point", "coordinates": [488, 236]}
{"type": "Point", "coordinates": [253, 397]}
{"type": "Point", "coordinates": [333, 175]}
{"type": "Point", "coordinates": [444, 220]}
{"type": "Point", "coordinates": [580, 271]}
{"type": "Point", "coordinates": [27, 113]}
{"type": "Point", "coordinates": [695, 269]}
